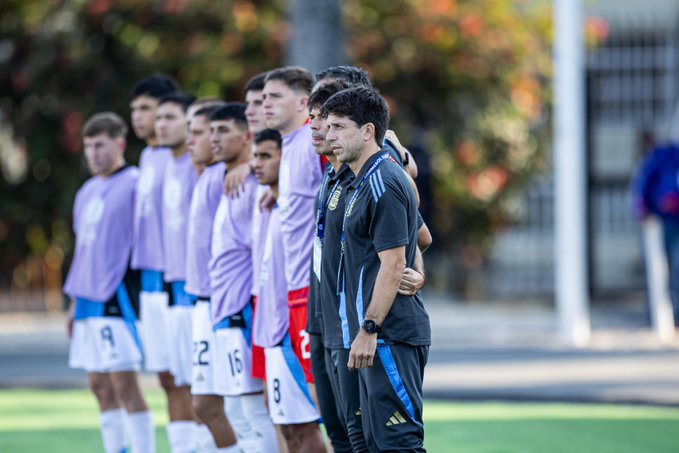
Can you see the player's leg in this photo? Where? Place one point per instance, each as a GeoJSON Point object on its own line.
{"type": "Point", "coordinates": [120, 354]}
{"type": "Point", "coordinates": [334, 425]}
{"type": "Point", "coordinates": [141, 427]}
{"type": "Point", "coordinates": [391, 398]}
{"type": "Point", "coordinates": [345, 384]}
{"type": "Point", "coordinates": [210, 410]}
{"type": "Point", "coordinates": [181, 428]}
{"type": "Point", "coordinates": [111, 415]}
{"type": "Point", "coordinates": [203, 393]}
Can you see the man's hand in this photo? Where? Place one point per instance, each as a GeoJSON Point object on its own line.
{"type": "Point", "coordinates": [69, 325]}
{"type": "Point", "coordinates": [234, 183]}
{"type": "Point", "coordinates": [362, 350]}
{"type": "Point", "coordinates": [267, 202]}
{"type": "Point", "coordinates": [411, 282]}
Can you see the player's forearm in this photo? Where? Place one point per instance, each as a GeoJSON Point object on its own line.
{"type": "Point", "coordinates": [419, 262]}
{"type": "Point", "coordinates": [424, 238]}
{"type": "Point", "coordinates": [392, 265]}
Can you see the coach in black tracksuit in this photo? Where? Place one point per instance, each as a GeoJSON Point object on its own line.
{"type": "Point", "coordinates": [389, 334]}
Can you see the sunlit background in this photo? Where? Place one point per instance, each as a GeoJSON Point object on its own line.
{"type": "Point", "coordinates": [469, 83]}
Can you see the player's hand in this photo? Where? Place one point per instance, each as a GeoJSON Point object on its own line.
{"type": "Point", "coordinates": [234, 183]}
{"type": "Point", "coordinates": [268, 200]}
{"type": "Point", "coordinates": [69, 325]}
{"type": "Point", "coordinates": [362, 350]}
{"type": "Point", "coordinates": [391, 136]}
{"type": "Point", "coordinates": [411, 282]}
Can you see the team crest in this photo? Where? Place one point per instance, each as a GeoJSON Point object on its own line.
{"type": "Point", "coordinates": [334, 199]}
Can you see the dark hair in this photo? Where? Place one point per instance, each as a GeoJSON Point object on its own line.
{"type": "Point", "coordinates": [231, 111]}
{"type": "Point", "coordinates": [351, 74]}
{"type": "Point", "coordinates": [361, 105]}
{"type": "Point", "coordinates": [208, 110]}
{"type": "Point", "coordinates": [178, 97]}
{"type": "Point", "coordinates": [296, 78]}
{"type": "Point", "coordinates": [269, 134]}
{"type": "Point", "coordinates": [206, 102]}
{"type": "Point", "coordinates": [107, 122]}
{"type": "Point", "coordinates": [155, 86]}
{"type": "Point", "coordinates": [325, 92]}
{"type": "Point", "coordinates": [256, 83]}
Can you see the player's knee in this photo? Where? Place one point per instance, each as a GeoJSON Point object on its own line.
{"type": "Point", "coordinates": [205, 409]}
{"type": "Point", "coordinates": [103, 391]}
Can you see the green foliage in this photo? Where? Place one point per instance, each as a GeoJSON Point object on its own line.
{"type": "Point", "coordinates": [61, 61]}
{"type": "Point", "coordinates": [466, 80]}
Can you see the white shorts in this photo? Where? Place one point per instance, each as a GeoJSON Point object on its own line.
{"type": "Point", "coordinates": [203, 380]}
{"type": "Point", "coordinates": [287, 391]}
{"type": "Point", "coordinates": [233, 363]}
{"type": "Point", "coordinates": [154, 330]}
{"type": "Point", "coordinates": [180, 341]}
{"type": "Point", "coordinates": [103, 345]}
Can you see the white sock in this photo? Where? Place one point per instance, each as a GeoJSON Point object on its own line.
{"type": "Point", "coordinates": [180, 435]}
{"type": "Point", "coordinates": [203, 440]}
{"type": "Point", "coordinates": [254, 409]}
{"type": "Point", "coordinates": [241, 427]}
{"type": "Point", "coordinates": [113, 430]}
{"type": "Point", "coordinates": [142, 432]}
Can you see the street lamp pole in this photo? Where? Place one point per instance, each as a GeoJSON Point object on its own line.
{"type": "Point", "coordinates": [572, 296]}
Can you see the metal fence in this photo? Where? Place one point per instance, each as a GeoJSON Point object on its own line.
{"type": "Point", "coordinates": [632, 86]}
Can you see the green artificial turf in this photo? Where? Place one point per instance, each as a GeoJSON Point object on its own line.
{"type": "Point", "coordinates": [67, 421]}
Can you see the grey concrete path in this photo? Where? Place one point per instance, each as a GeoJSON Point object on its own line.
{"type": "Point", "coordinates": [480, 351]}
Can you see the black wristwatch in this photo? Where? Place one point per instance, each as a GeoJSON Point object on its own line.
{"type": "Point", "coordinates": [371, 326]}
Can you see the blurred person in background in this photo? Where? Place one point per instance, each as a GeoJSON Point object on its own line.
{"type": "Point", "coordinates": [656, 193]}
{"type": "Point", "coordinates": [105, 291]}
{"type": "Point", "coordinates": [178, 182]}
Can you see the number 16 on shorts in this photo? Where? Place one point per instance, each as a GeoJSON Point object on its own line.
{"type": "Point", "coordinates": [234, 364]}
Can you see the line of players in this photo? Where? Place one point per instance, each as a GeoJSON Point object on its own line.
{"type": "Point", "coordinates": [261, 292]}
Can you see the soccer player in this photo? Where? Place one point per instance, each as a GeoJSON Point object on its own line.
{"type": "Point", "coordinates": [286, 91]}
{"type": "Point", "coordinates": [231, 283]}
{"type": "Point", "coordinates": [105, 290]}
{"type": "Point", "coordinates": [290, 402]}
{"type": "Point", "coordinates": [388, 333]}
{"type": "Point", "coordinates": [208, 405]}
{"type": "Point", "coordinates": [335, 177]}
{"type": "Point", "coordinates": [147, 250]}
{"type": "Point", "coordinates": [179, 180]}
{"type": "Point", "coordinates": [254, 113]}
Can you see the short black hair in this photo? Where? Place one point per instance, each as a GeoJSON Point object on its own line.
{"type": "Point", "coordinates": [231, 111]}
{"type": "Point", "coordinates": [105, 122]}
{"type": "Point", "coordinates": [325, 92]}
{"type": "Point", "coordinates": [361, 105]}
{"type": "Point", "coordinates": [155, 86]}
{"type": "Point", "coordinates": [207, 111]}
{"type": "Point", "coordinates": [296, 78]}
{"type": "Point", "coordinates": [178, 97]}
{"type": "Point", "coordinates": [256, 83]}
{"type": "Point", "coordinates": [269, 134]}
{"type": "Point", "coordinates": [351, 74]}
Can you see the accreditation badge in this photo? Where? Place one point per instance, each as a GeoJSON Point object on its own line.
{"type": "Point", "coordinates": [334, 198]}
{"type": "Point", "coordinates": [317, 257]}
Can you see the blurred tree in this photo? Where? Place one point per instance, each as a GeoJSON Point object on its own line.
{"type": "Point", "coordinates": [466, 80]}
{"type": "Point", "coordinates": [61, 61]}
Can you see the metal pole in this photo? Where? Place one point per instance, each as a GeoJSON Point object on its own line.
{"type": "Point", "coordinates": [570, 178]}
